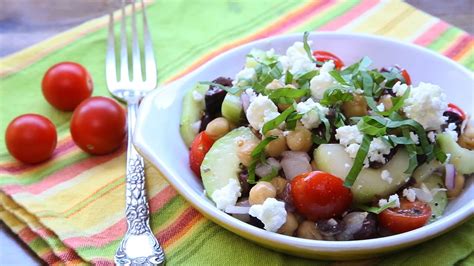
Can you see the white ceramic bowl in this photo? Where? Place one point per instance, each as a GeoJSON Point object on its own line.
{"type": "Point", "coordinates": [158, 139]}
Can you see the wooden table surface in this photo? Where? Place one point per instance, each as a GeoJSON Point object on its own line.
{"type": "Point", "coordinates": [20, 35]}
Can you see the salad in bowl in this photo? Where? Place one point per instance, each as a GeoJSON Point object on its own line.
{"type": "Point", "coordinates": [306, 145]}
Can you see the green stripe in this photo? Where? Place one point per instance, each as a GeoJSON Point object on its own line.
{"type": "Point", "coordinates": [445, 39]}
{"type": "Point", "coordinates": [321, 20]}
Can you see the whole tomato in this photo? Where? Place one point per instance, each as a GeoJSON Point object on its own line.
{"type": "Point", "coordinates": [319, 195]}
{"type": "Point", "coordinates": [31, 138]}
{"type": "Point", "coordinates": [409, 216]}
{"type": "Point", "coordinates": [98, 125]}
{"type": "Point", "coordinates": [200, 146]}
{"type": "Point", "coordinates": [66, 85]}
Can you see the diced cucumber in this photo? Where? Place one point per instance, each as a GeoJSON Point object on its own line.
{"type": "Point", "coordinates": [192, 112]}
{"type": "Point", "coordinates": [463, 159]}
{"type": "Point", "coordinates": [440, 199]}
{"type": "Point", "coordinates": [232, 108]}
{"type": "Point", "coordinates": [426, 170]}
{"type": "Point", "coordinates": [333, 159]}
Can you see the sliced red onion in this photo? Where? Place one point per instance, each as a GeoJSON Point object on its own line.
{"type": "Point", "coordinates": [295, 163]}
{"type": "Point", "coordinates": [237, 210]}
{"type": "Point", "coordinates": [450, 176]}
{"type": "Point", "coordinates": [353, 223]}
{"type": "Point", "coordinates": [265, 169]}
{"type": "Point", "coordinates": [245, 101]}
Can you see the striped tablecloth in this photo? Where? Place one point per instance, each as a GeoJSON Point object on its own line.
{"type": "Point", "coordinates": [71, 208]}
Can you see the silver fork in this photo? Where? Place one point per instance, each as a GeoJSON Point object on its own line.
{"type": "Point", "coordinates": [139, 246]}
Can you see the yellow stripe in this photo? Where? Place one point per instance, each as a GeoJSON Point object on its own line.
{"type": "Point", "coordinates": [382, 17]}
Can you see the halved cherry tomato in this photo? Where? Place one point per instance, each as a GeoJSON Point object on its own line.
{"type": "Point", "coordinates": [323, 56]}
{"type": "Point", "coordinates": [409, 216]}
{"type": "Point", "coordinates": [456, 109]}
{"type": "Point", "coordinates": [66, 85]}
{"type": "Point", "coordinates": [98, 125]}
{"type": "Point", "coordinates": [319, 195]}
{"type": "Point", "coordinates": [31, 138]}
{"type": "Point", "coordinates": [200, 146]}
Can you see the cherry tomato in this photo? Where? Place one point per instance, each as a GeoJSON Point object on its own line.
{"type": "Point", "coordinates": [323, 56]}
{"type": "Point", "coordinates": [456, 109]}
{"type": "Point", "coordinates": [319, 195]}
{"type": "Point", "coordinates": [409, 216]}
{"type": "Point", "coordinates": [200, 146]}
{"type": "Point", "coordinates": [31, 138]}
{"type": "Point", "coordinates": [98, 125]}
{"type": "Point", "coordinates": [406, 76]}
{"type": "Point", "coordinates": [66, 85]}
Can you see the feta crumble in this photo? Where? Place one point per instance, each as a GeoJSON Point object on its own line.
{"type": "Point", "coordinates": [227, 196]}
{"type": "Point", "coordinates": [399, 89]}
{"type": "Point", "coordinates": [394, 198]}
{"type": "Point", "coordinates": [320, 83]}
{"type": "Point", "coordinates": [272, 213]}
{"type": "Point", "coordinates": [348, 135]}
{"type": "Point", "coordinates": [296, 59]}
{"type": "Point", "coordinates": [414, 137]}
{"type": "Point", "coordinates": [426, 105]}
{"type": "Point", "coordinates": [451, 131]}
{"type": "Point", "coordinates": [310, 111]}
{"type": "Point", "coordinates": [244, 76]}
{"type": "Point", "coordinates": [409, 194]}
{"type": "Point", "coordinates": [260, 111]}
{"type": "Point", "coordinates": [432, 136]}
{"type": "Point", "coordinates": [386, 176]}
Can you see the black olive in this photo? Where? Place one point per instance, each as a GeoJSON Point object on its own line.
{"type": "Point", "coordinates": [256, 222]}
{"type": "Point", "coordinates": [330, 227]}
{"type": "Point", "coordinates": [245, 186]}
{"type": "Point", "coordinates": [368, 229]}
{"type": "Point", "coordinates": [213, 99]}
{"type": "Point", "coordinates": [455, 118]}
{"type": "Point", "coordinates": [206, 119]}
{"type": "Point", "coordinates": [223, 81]}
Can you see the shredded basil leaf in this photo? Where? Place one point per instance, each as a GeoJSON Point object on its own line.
{"type": "Point", "coordinates": [318, 140]}
{"type": "Point", "coordinates": [400, 140]}
{"type": "Point", "coordinates": [288, 77]}
{"type": "Point", "coordinates": [306, 77]}
{"type": "Point", "coordinates": [335, 96]}
{"type": "Point", "coordinates": [257, 156]}
{"type": "Point", "coordinates": [274, 123]}
{"type": "Point", "coordinates": [439, 154]}
{"type": "Point", "coordinates": [338, 77]}
{"type": "Point", "coordinates": [376, 210]}
{"type": "Point", "coordinates": [292, 120]}
{"type": "Point", "coordinates": [287, 95]}
{"type": "Point", "coordinates": [358, 161]}
{"type": "Point", "coordinates": [307, 48]}
{"type": "Point", "coordinates": [372, 126]}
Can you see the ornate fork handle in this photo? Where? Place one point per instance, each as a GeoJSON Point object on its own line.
{"type": "Point", "coordinates": [139, 246]}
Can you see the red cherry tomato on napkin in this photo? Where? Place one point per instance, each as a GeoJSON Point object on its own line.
{"type": "Point", "coordinates": [409, 216]}
{"type": "Point", "coordinates": [456, 109]}
{"type": "Point", "coordinates": [323, 56]}
{"type": "Point", "coordinates": [200, 146]}
{"type": "Point", "coordinates": [31, 138]}
{"type": "Point", "coordinates": [66, 85]}
{"type": "Point", "coordinates": [319, 195]}
{"type": "Point", "coordinates": [98, 125]}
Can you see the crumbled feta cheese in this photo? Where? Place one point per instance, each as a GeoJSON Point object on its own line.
{"type": "Point", "coordinates": [244, 76]}
{"type": "Point", "coordinates": [451, 131]}
{"type": "Point", "coordinates": [386, 176]}
{"type": "Point", "coordinates": [260, 111]}
{"type": "Point", "coordinates": [275, 84]}
{"type": "Point", "coordinates": [414, 137]}
{"type": "Point", "coordinates": [198, 97]}
{"type": "Point", "coordinates": [432, 136]}
{"type": "Point", "coordinates": [272, 213]}
{"type": "Point", "coordinates": [320, 83]}
{"type": "Point", "coordinates": [351, 137]}
{"type": "Point", "coordinates": [310, 111]}
{"type": "Point", "coordinates": [381, 107]}
{"type": "Point", "coordinates": [426, 105]}
{"type": "Point", "coordinates": [251, 94]}
{"type": "Point", "coordinates": [227, 196]}
{"type": "Point", "coordinates": [196, 126]}
{"type": "Point", "coordinates": [348, 135]}
{"type": "Point", "coordinates": [410, 194]}
{"type": "Point", "coordinates": [399, 89]}
{"type": "Point", "coordinates": [394, 198]}
{"type": "Point", "coordinates": [296, 59]}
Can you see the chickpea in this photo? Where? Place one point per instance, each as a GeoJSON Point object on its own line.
{"type": "Point", "coordinates": [308, 230]}
{"type": "Point", "coordinates": [279, 183]}
{"type": "Point", "coordinates": [260, 192]}
{"type": "Point", "coordinates": [299, 139]}
{"type": "Point", "coordinates": [277, 146]}
{"type": "Point", "coordinates": [244, 151]}
{"type": "Point", "coordinates": [387, 102]}
{"type": "Point", "coordinates": [290, 226]}
{"type": "Point", "coordinates": [458, 186]}
{"type": "Point", "coordinates": [466, 139]}
{"type": "Point", "coordinates": [355, 107]}
{"type": "Point", "coordinates": [218, 128]}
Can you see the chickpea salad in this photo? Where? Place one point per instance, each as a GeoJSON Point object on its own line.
{"type": "Point", "coordinates": [304, 145]}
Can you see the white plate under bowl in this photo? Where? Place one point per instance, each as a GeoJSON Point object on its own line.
{"type": "Point", "coordinates": [158, 139]}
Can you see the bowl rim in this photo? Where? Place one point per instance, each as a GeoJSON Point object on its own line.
{"type": "Point", "coordinates": [248, 231]}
